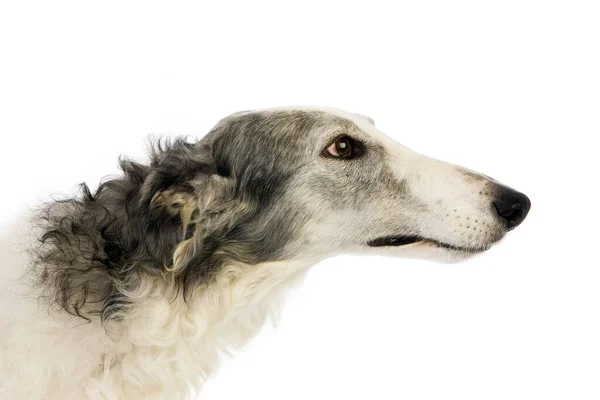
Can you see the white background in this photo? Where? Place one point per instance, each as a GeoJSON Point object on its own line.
{"type": "Point", "coordinates": [509, 88]}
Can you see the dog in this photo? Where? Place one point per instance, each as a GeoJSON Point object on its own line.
{"type": "Point", "coordinates": [135, 290]}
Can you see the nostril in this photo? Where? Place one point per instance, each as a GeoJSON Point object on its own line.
{"type": "Point", "coordinates": [514, 214]}
{"type": "Point", "coordinates": [512, 207]}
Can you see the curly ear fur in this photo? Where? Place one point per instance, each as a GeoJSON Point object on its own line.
{"type": "Point", "coordinates": [149, 221]}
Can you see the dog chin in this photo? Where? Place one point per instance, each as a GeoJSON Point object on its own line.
{"type": "Point", "coordinates": [449, 254]}
{"type": "Point", "coordinates": [431, 251]}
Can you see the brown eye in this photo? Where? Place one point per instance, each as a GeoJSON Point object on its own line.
{"type": "Point", "coordinates": [343, 147]}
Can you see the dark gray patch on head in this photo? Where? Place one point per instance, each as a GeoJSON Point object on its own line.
{"type": "Point", "coordinates": [262, 153]}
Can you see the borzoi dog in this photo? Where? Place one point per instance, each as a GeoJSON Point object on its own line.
{"type": "Point", "coordinates": [133, 291]}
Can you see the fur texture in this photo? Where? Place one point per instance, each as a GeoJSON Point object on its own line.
{"type": "Point", "coordinates": [136, 289]}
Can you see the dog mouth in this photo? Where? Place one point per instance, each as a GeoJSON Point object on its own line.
{"type": "Point", "coordinates": [397, 241]}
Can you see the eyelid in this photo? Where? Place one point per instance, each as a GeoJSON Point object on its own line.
{"type": "Point", "coordinates": [340, 136]}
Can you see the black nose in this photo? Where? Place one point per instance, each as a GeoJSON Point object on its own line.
{"type": "Point", "coordinates": [512, 207]}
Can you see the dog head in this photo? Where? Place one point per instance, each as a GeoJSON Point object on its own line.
{"type": "Point", "coordinates": [263, 186]}
{"type": "Point", "coordinates": [324, 182]}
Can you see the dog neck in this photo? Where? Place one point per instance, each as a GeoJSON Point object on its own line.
{"type": "Point", "coordinates": [160, 348]}
{"type": "Point", "coordinates": [187, 337]}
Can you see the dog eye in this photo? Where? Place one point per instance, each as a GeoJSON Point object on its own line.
{"type": "Point", "coordinates": [343, 147]}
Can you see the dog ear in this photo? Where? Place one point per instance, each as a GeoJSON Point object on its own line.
{"type": "Point", "coordinates": [180, 205]}
{"type": "Point", "coordinates": [176, 203]}
{"type": "Point", "coordinates": [157, 216]}
{"type": "Point", "coordinates": [184, 199]}
{"type": "Point", "coordinates": [205, 206]}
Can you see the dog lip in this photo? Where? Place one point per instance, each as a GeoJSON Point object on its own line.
{"type": "Point", "coordinates": [403, 240]}
{"type": "Point", "coordinates": [395, 241]}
